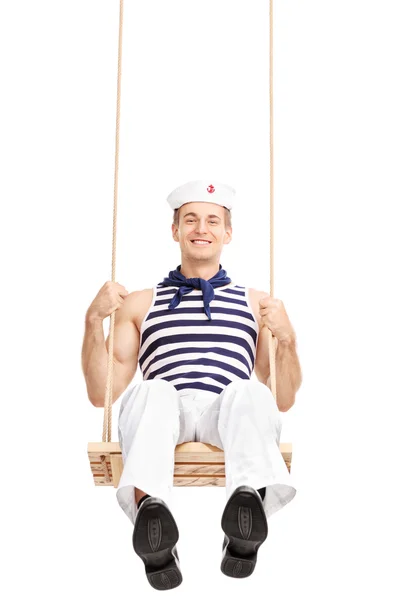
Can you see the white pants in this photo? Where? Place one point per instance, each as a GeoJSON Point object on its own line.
{"type": "Point", "coordinates": [244, 421]}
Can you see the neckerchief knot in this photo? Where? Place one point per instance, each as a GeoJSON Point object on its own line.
{"type": "Point", "coordinates": [186, 285]}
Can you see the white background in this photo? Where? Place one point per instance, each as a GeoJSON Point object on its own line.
{"type": "Point", "coordinates": [195, 105]}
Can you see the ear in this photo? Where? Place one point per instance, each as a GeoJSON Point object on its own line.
{"type": "Point", "coordinates": [174, 230]}
{"type": "Point", "coordinates": [228, 236]}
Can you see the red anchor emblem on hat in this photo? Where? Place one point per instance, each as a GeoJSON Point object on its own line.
{"type": "Point", "coordinates": [211, 189]}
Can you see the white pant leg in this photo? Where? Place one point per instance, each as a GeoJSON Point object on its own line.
{"type": "Point", "coordinates": [148, 431]}
{"type": "Point", "coordinates": [246, 423]}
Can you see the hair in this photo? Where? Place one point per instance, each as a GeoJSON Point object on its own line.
{"type": "Point", "coordinates": [227, 212]}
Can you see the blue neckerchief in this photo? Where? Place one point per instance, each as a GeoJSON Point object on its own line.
{"type": "Point", "coordinates": [184, 285]}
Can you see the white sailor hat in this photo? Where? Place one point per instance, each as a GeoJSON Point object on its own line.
{"type": "Point", "coordinates": [202, 191]}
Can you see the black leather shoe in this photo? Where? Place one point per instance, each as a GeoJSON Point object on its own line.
{"type": "Point", "coordinates": [155, 535]}
{"type": "Point", "coordinates": [245, 526]}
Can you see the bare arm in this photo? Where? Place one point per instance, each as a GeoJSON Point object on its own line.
{"type": "Point", "coordinates": [288, 370]}
{"type": "Point", "coordinates": [95, 353]}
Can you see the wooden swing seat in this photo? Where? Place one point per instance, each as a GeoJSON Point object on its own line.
{"type": "Point", "coordinates": [196, 463]}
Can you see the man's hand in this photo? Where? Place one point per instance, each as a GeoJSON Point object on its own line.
{"type": "Point", "coordinates": [273, 315]}
{"type": "Point", "coordinates": [110, 298]}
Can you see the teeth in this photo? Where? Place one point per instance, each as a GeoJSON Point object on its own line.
{"type": "Point", "coordinates": [200, 243]}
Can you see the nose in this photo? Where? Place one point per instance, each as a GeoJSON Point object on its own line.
{"type": "Point", "coordinates": [202, 226]}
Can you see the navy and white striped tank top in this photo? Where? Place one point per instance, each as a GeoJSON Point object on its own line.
{"type": "Point", "coordinates": [182, 346]}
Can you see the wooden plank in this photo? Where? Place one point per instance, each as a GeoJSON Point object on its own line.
{"type": "Point", "coordinates": [98, 448]}
{"type": "Point", "coordinates": [116, 468]}
{"type": "Point", "coordinates": [199, 481]}
{"type": "Point", "coordinates": [209, 470]}
{"type": "Point", "coordinates": [196, 451]}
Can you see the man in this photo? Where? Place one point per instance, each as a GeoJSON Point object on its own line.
{"type": "Point", "coordinates": [197, 337]}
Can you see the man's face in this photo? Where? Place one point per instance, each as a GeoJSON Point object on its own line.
{"type": "Point", "coordinates": [201, 221]}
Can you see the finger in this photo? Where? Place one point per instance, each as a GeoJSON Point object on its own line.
{"type": "Point", "coordinates": [273, 305]}
{"type": "Point", "coordinates": [268, 302]}
{"type": "Point", "coordinates": [267, 311]}
{"type": "Point", "coordinates": [265, 305]}
{"type": "Point", "coordinates": [121, 289]}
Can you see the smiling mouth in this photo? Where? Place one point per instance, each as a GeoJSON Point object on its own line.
{"type": "Point", "coordinates": [200, 242]}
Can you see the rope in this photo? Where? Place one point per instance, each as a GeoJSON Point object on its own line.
{"type": "Point", "coordinates": [107, 424]}
{"type": "Point", "coordinates": [272, 340]}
